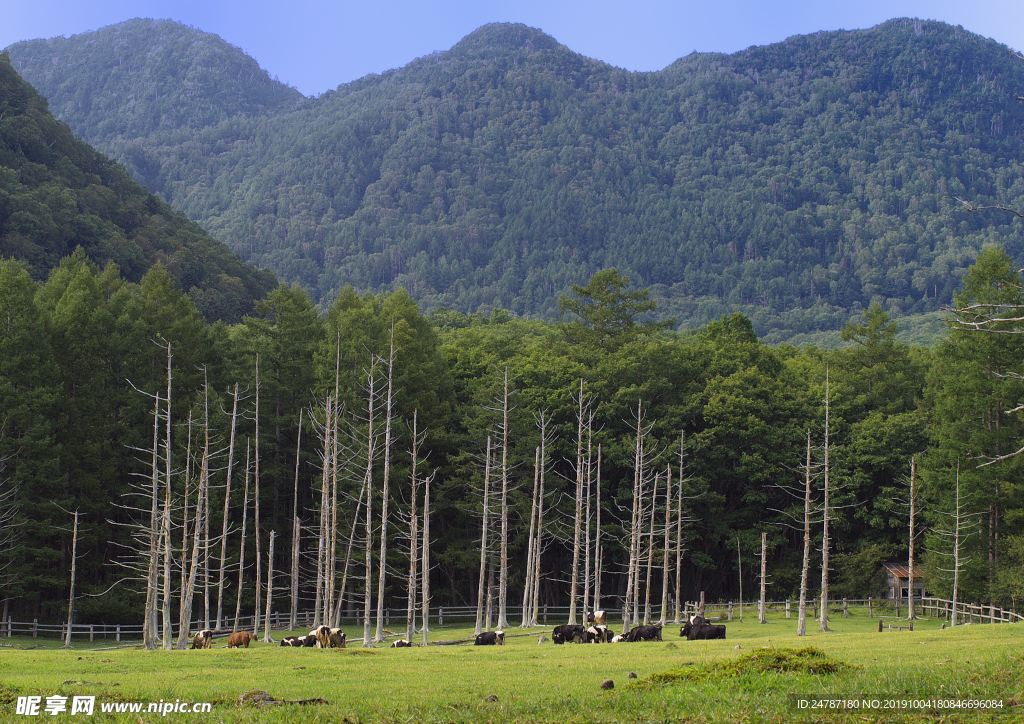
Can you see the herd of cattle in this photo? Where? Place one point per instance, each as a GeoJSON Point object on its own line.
{"type": "Point", "coordinates": [594, 632]}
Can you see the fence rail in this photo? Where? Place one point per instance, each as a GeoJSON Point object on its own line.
{"type": "Point", "coordinates": [929, 606]}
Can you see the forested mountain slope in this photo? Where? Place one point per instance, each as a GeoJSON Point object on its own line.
{"type": "Point", "coordinates": [795, 182]}
{"type": "Point", "coordinates": [58, 194]}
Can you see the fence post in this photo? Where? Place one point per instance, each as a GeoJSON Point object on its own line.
{"type": "Point", "coordinates": [846, 611]}
{"type": "Point", "coordinates": [440, 616]}
{"type": "Point", "coordinates": [787, 608]}
{"type": "Point", "coordinates": [730, 611]}
{"type": "Point", "coordinates": [118, 636]}
{"type": "Point", "coordinates": [91, 633]}
{"type": "Point", "coordinates": [871, 608]}
{"type": "Point", "coordinates": [35, 628]}
{"type": "Point", "coordinates": [545, 614]}
{"type": "Point", "coordinates": [387, 616]}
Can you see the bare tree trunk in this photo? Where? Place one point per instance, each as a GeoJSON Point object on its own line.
{"type": "Point", "coordinates": [679, 525]}
{"type": "Point", "coordinates": [425, 567]}
{"type": "Point", "coordinates": [825, 541]}
{"type": "Point", "coordinates": [650, 554]}
{"type": "Point", "coordinates": [634, 529]}
{"type": "Point", "coordinates": [348, 558]}
{"type": "Point", "coordinates": [801, 621]}
{"type": "Point", "coordinates": [537, 546]}
{"type": "Point", "coordinates": [293, 616]}
{"type": "Point", "coordinates": [597, 539]}
{"type": "Point", "coordinates": [71, 596]}
{"type": "Point", "coordinates": [333, 558]}
{"type": "Point", "coordinates": [166, 611]}
{"type": "Point", "coordinates": [385, 492]}
{"type": "Point", "coordinates": [185, 617]}
{"type": "Point", "coordinates": [204, 484]}
{"type": "Point", "coordinates": [484, 541]}
{"type": "Point", "coordinates": [256, 500]}
{"type": "Point", "coordinates": [149, 632]}
{"type": "Point", "coordinates": [580, 414]}
{"type": "Point", "coordinates": [320, 605]}
{"type": "Point", "coordinates": [586, 518]}
{"type": "Point", "coordinates": [664, 558]}
{"type": "Point", "coordinates": [370, 452]}
{"type": "Point", "coordinates": [227, 503]}
{"type": "Point", "coordinates": [739, 565]}
{"type": "Point", "coordinates": [764, 581]}
{"type": "Point", "coordinates": [528, 588]}
{"type": "Point", "coordinates": [410, 612]}
{"type": "Point", "coordinates": [911, 614]}
{"type": "Point", "coordinates": [241, 548]}
{"type": "Point", "coordinates": [503, 575]}
{"type": "Point", "coordinates": [182, 564]}
{"type": "Point", "coordinates": [270, 589]}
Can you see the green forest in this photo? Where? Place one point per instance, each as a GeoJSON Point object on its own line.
{"type": "Point", "coordinates": [797, 183]}
{"type": "Point", "coordinates": [86, 358]}
{"type": "Point", "coordinates": [58, 195]}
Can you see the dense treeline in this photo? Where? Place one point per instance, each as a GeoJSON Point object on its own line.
{"type": "Point", "coordinates": [82, 353]}
{"type": "Point", "coordinates": [57, 194]}
{"type": "Point", "coordinates": [797, 183]}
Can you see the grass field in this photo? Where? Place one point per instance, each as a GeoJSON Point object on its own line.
{"type": "Point", "coordinates": [527, 682]}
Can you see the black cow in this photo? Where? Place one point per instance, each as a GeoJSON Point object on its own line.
{"type": "Point", "coordinates": [292, 641]}
{"type": "Point", "coordinates": [695, 622]}
{"type": "Point", "coordinates": [643, 633]}
{"type": "Point", "coordinates": [490, 638]}
{"type": "Point", "coordinates": [403, 644]}
{"type": "Point", "coordinates": [706, 632]}
{"type": "Point", "coordinates": [575, 633]}
{"type": "Point", "coordinates": [307, 642]}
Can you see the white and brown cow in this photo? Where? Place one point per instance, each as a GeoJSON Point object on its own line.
{"type": "Point", "coordinates": [203, 639]}
{"type": "Point", "coordinates": [322, 634]}
{"type": "Point", "coordinates": [337, 638]}
{"type": "Point", "coordinates": [401, 644]}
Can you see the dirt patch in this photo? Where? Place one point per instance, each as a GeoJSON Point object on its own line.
{"type": "Point", "coordinates": [807, 660]}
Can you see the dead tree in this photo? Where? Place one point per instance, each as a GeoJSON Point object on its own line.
{"type": "Point", "coordinates": [189, 581]}
{"type": "Point", "coordinates": [484, 544]}
{"type": "Point", "coordinates": [293, 616]}
{"type": "Point", "coordinates": [962, 524]}
{"type": "Point", "coordinates": [227, 504]}
{"type": "Point", "coordinates": [149, 630]}
{"type": "Point", "coordinates": [385, 494]}
{"type": "Point", "coordinates": [761, 602]}
{"type": "Point", "coordinates": [801, 624]}
{"type": "Point", "coordinates": [825, 542]}
{"type": "Point", "coordinates": [650, 554]}
{"type": "Point", "coordinates": [598, 551]}
{"type": "Point", "coordinates": [665, 550]}
{"type": "Point", "coordinates": [270, 588]}
{"type": "Point", "coordinates": [256, 500]}
{"type": "Point", "coordinates": [528, 587]}
{"type": "Point", "coordinates": [425, 558]}
{"type": "Point", "coordinates": [582, 413]}
{"type": "Point", "coordinates": [71, 596]}
{"type": "Point", "coordinates": [166, 524]}
{"type": "Point", "coordinates": [543, 422]}
{"type": "Point", "coordinates": [410, 612]}
{"type": "Point", "coordinates": [910, 553]}
{"type": "Point", "coordinates": [503, 575]}
{"type": "Point", "coordinates": [368, 483]}
{"type": "Point", "coordinates": [241, 548]}
{"type": "Point", "coordinates": [641, 461]}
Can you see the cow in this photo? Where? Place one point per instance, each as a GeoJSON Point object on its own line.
{"type": "Point", "coordinates": [337, 638]}
{"type": "Point", "coordinates": [706, 632]}
{"type": "Point", "coordinates": [569, 632]}
{"type": "Point", "coordinates": [598, 635]}
{"type": "Point", "coordinates": [322, 635]}
{"type": "Point", "coordinates": [643, 633]}
{"type": "Point", "coordinates": [308, 641]}
{"type": "Point", "coordinates": [596, 618]}
{"type": "Point", "coordinates": [617, 639]}
{"type": "Point", "coordinates": [240, 638]}
{"type": "Point", "coordinates": [403, 644]}
{"type": "Point", "coordinates": [292, 641]}
{"type": "Point", "coordinates": [695, 622]}
{"type": "Point", "coordinates": [490, 638]}
{"type": "Point", "coordinates": [203, 639]}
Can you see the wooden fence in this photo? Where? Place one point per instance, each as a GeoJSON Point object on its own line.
{"type": "Point", "coordinates": [548, 615]}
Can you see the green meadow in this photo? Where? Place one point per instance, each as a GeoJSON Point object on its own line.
{"type": "Point", "coordinates": [753, 676]}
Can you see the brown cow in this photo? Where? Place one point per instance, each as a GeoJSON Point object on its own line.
{"type": "Point", "coordinates": [337, 638]}
{"type": "Point", "coordinates": [240, 638]}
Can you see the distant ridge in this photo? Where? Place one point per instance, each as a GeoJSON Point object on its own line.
{"type": "Point", "coordinates": [796, 182]}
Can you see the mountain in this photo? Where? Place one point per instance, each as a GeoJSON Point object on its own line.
{"type": "Point", "coordinates": [796, 182]}
{"type": "Point", "coordinates": [57, 194]}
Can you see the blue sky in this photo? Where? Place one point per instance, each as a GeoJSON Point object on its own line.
{"type": "Point", "coordinates": [316, 45]}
